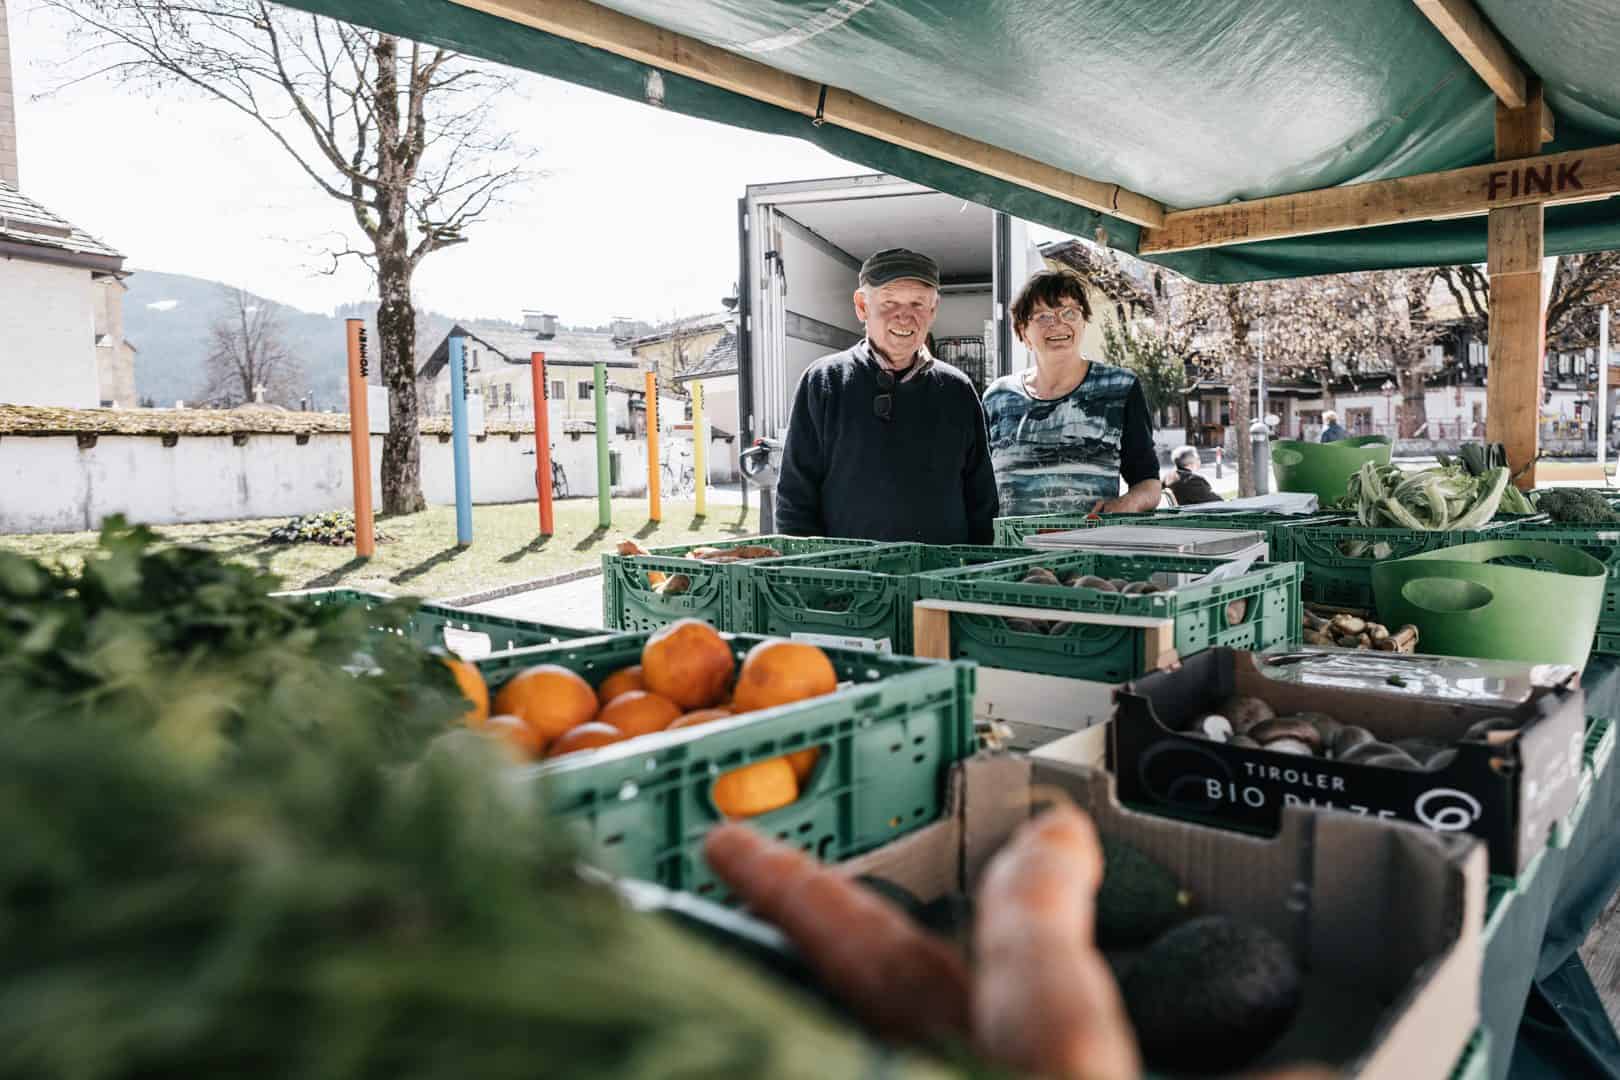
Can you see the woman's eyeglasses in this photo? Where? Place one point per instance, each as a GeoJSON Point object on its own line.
{"type": "Point", "coordinates": [883, 404]}
{"type": "Point", "coordinates": [1043, 319]}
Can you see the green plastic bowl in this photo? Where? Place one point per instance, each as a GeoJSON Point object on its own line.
{"type": "Point", "coordinates": [1528, 600]}
{"type": "Point", "coordinates": [1325, 469]}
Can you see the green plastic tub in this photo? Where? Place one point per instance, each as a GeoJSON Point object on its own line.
{"type": "Point", "coordinates": [1325, 468]}
{"type": "Point", "coordinates": [888, 738]}
{"type": "Point", "coordinates": [1268, 595]}
{"type": "Point", "coordinates": [1527, 600]}
{"type": "Point", "coordinates": [1337, 560]}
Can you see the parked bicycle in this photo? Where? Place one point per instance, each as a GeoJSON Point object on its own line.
{"type": "Point", "coordinates": [559, 478]}
{"type": "Point", "coordinates": [677, 477]}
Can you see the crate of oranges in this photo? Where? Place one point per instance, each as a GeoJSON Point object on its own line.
{"type": "Point", "coordinates": [641, 742]}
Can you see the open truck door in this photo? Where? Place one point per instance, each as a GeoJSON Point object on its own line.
{"type": "Point", "coordinates": [801, 245]}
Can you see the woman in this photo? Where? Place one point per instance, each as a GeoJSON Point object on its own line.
{"type": "Point", "coordinates": [1064, 432]}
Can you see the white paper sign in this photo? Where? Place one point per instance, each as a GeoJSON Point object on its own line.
{"type": "Point", "coordinates": [834, 641]}
{"type": "Point", "coordinates": [467, 644]}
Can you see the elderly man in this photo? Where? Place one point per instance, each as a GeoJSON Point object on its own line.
{"type": "Point", "coordinates": [1185, 484]}
{"type": "Point", "coordinates": [885, 442]}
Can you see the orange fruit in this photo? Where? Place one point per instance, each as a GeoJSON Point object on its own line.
{"type": "Point", "coordinates": [617, 683]}
{"type": "Point", "coordinates": [701, 716]}
{"type": "Point", "coordinates": [473, 688]}
{"type": "Point", "coordinates": [639, 712]}
{"type": "Point", "coordinates": [549, 698]}
{"type": "Point", "coordinates": [803, 763]}
{"type": "Point", "coordinates": [689, 663]}
{"type": "Point", "coordinates": [524, 742]}
{"type": "Point", "coordinates": [755, 789]}
{"type": "Point", "coordinates": [585, 737]}
{"type": "Point", "coordinates": [777, 672]}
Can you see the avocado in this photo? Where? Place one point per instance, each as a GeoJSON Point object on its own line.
{"type": "Point", "coordinates": [1139, 899]}
{"type": "Point", "coordinates": [1211, 995]}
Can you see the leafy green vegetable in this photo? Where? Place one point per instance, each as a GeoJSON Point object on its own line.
{"type": "Point", "coordinates": [1446, 497]}
{"type": "Point", "coordinates": [227, 855]}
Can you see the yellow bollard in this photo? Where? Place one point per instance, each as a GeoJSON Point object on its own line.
{"type": "Point", "coordinates": [700, 450]}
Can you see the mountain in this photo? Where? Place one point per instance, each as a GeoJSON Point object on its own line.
{"type": "Point", "coordinates": [167, 318]}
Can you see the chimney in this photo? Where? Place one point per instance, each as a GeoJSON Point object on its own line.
{"type": "Point", "coordinates": [623, 327]}
{"type": "Point", "coordinates": [8, 109]}
{"type": "Point", "coordinates": [539, 324]}
{"type": "Point", "coordinates": [258, 395]}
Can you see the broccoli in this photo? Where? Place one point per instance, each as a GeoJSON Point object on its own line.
{"type": "Point", "coordinates": [1581, 506]}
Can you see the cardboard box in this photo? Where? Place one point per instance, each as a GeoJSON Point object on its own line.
{"type": "Point", "coordinates": [1511, 795]}
{"type": "Point", "coordinates": [1385, 918]}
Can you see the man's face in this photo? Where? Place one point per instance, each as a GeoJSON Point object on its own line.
{"type": "Point", "coordinates": [897, 315]}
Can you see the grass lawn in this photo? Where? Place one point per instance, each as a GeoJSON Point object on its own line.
{"type": "Point", "coordinates": [422, 558]}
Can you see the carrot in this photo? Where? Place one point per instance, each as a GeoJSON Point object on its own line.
{"type": "Point", "coordinates": [1044, 1000]}
{"type": "Point", "coordinates": [900, 980]}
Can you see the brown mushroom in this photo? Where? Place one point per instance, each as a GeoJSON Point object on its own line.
{"type": "Point", "coordinates": [1245, 712]}
{"type": "Point", "coordinates": [1297, 728]}
{"type": "Point", "coordinates": [1347, 739]}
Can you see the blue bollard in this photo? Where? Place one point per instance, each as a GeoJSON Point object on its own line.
{"type": "Point", "coordinates": [458, 440]}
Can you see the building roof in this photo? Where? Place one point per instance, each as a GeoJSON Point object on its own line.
{"type": "Point", "coordinates": [695, 324]}
{"type": "Point", "coordinates": [25, 224]}
{"type": "Point", "coordinates": [1106, 272]}
{"type": "Point", "coordinates": [567, 348]}
{"type": "Point", "coordinates": [49, 420]}
{"type": "Point", "coordinates": [718, 360]}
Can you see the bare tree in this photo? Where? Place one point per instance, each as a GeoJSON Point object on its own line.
{"type": "Point", "coordinates": [400, 133]}
{"type": "Point", "coordinates": [1581, 285]}
{"type": "Point", "coordinates": [246, 352]}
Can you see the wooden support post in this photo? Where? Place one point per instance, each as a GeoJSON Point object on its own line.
{"type": "Point", "coordinates": [1518, 306]}
{"type": "Point", "coordinates": [930, 632]}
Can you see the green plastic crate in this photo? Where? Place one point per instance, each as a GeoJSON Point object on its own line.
{"type": "Point", "coordinates": [1602, 542]}
{"type": "Point", "coordinates": [629, 603]}
{"type": "Point", "coordinates": [1012, 531]}
{"type": "Point", "coordinates": [471, 632]}
{"type": "Point", "coordinates": [851, 594]}
{"type": "Point", "coordinates": [642, 808]}
{"type": "Point", "coordinates": [1332, 576]}
{"type": "Point", "coordinates": [1107, 653]}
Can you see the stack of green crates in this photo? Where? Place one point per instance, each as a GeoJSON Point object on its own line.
{"type": "Point", "coordinates": [438, 624]}
{"type": "Point", "coordinates": [1012, 531]}
{"type": "Point", "coordinates": [1337, 559]}
{"type": "Point", "coordinates": [887, 739]}
{"type": "Point", "coordinates": [629, 602]}
{"type": "Point", "coordinates": [858, 594]}
{"type": "Point", "coordinates": [1268, 595]}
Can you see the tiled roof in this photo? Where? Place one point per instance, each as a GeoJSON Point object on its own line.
{"type": "Point", "coordinates": [719, 359]}
{"type": "Point", "coordinates": [568, 348]}
{"type": "Point", "coordinates": [47, 420]}
{"type": "Point", "coordinates": [696, 324]}
{"type": "Point", "coordinates": [24, 221]}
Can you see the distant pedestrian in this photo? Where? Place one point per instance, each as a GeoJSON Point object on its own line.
{"type": "Point", "coordinates": [1332, 432]}
{"type": "Point", "coordinates": [1186, 485]}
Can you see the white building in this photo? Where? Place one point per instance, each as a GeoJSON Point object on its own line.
{"type": "Point", "coordinates": [59, 293]}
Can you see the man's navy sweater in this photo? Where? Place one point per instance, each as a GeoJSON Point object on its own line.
{"type": "Point", "coordinates": [922, 475]}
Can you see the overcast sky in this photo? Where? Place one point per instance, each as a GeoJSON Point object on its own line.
{"type": "Point", "coordinates": [186, 186]}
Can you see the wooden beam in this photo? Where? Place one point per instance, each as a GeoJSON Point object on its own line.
{"type": "Point", "coordinates": [1517, 334]}
{"type": "Point", "coordinates": [1574, 176]}
{"type": "Point", "coordinates": [1479, 44]}
{"type": "Point", "coordinates": [601, 28]}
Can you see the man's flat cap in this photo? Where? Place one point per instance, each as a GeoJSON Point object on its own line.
{"type": "Point", "coordinates": [898, 264]}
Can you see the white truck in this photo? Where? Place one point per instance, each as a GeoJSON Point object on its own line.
{"type": "Point", "coordinates": [801, 247]}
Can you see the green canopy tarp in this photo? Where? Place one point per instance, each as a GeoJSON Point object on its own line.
{"type": "Point", "coordinates": [1190, 102]}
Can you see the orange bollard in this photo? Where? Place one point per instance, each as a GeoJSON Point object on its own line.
{"type": "Point", "coordinates": [655, 510]}
{"type": "Point", "coordinates": [542, 441]}
{"type": "Point", "coordinates": [365, 536]}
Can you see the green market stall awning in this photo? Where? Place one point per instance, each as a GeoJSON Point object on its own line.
{"type": "Point", "coordinates": [1107, 114]}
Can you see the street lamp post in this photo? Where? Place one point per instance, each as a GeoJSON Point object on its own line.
{"type": "Point", "coordinates": [1389, 406]}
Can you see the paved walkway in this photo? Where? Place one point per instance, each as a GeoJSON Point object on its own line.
{"type": "Point", "coordinates": [573, 603]}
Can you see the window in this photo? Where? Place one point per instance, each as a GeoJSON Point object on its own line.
{"type": "Point", "coordinates": [447, 403]}
{"type": "Point", "coordinates": [506, 394]}
{"type": "Point", "coordinates": [557, 390]}
{"type": "Point", "coordinates": [585, 391]}
{"type": "Point", "coordinates": [472, 359]}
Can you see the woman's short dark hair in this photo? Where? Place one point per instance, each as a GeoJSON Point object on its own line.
{"type": "Point", "coordinates": [1052, 288]}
